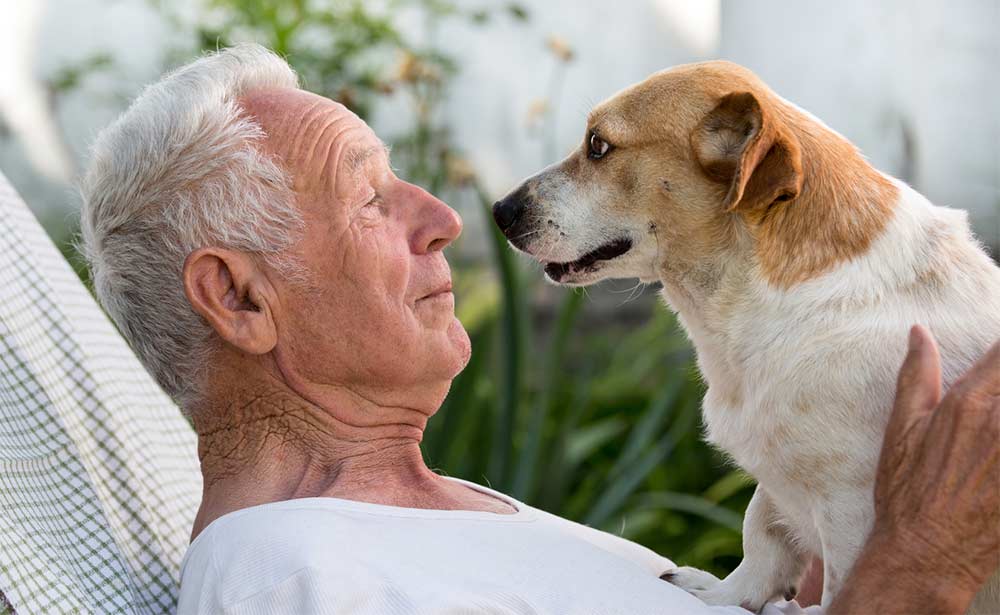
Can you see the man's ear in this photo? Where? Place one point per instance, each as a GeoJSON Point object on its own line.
{"type": "Point", "coordinates": [742, 146]}
{"type": "Point", "coordinates": [228, 290]}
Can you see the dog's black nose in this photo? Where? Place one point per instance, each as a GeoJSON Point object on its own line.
{"type": "Point", "coordinates": [507, 210]}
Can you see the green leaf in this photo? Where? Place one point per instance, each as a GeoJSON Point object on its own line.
{"type": "Point", "coordinates": [513, 330]}
{"type": "Point", "coordinates": [518, 11]}
{"type": "Point", "coordinates": [648, 427]}
{"type": "Point", "coordinates": [685, 502]}
{"type": "Point", "coordinates": [730, 484]}
{"type": "Point", "coordinates": [569, 310]}
{"type": "Point", "coordinates": [619, 490]}
{"type": "Point", "coordinates": [584, 441]}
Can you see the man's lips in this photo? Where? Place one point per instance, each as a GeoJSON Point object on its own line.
{"type": "Point", "coordinates": [440, 290]}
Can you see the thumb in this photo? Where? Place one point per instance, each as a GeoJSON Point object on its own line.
{"type": "Point", "coordinates": [918, 389]}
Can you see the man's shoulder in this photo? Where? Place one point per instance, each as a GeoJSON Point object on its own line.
{"type": "Point", "coordinates": [249, 550]}
{"type": "Point", "coordinates": [616, 545]}
{"type": "Point", "coordinates": [345, 546]}
{"type": "Point", "coordinates": [287, 532]}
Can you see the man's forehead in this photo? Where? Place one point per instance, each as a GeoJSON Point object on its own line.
{"type": "Point", "coordinates": [358, 154]}
{"type": "Point", "coordinates": [316, 137]}
{"type": "Point", "coordinates": [274, 107]}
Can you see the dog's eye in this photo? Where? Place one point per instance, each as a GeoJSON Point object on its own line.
{"type": "Point", "coordinates": [598, 147]}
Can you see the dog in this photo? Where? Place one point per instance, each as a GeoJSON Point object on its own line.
{"type": "Point", "coordinates": [795, 267]}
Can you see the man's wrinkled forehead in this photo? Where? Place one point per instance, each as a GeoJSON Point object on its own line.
{"type": "Point", "coordinates": [322, 144]}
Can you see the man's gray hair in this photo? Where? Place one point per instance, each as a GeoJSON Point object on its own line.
{"type": "Point", "coordinates": [181, 170]}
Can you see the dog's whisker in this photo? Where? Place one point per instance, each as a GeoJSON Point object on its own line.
{"type": "Point", "coordinates": [640, 288]}
{"type": "Point", "coordinates": [632, 293]}
{"type": "Point", "coordinates": [523, 235]}
{"type": "Point", "coordinates": [552, 248]}
{"type": "Point", "coordinates": [623, 291]}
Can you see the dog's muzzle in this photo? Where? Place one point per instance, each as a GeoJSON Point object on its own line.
{"type": "Point", "coordinates": [508, 210]}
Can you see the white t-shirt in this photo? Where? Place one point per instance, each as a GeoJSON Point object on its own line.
{"type": "Point", "coordinates": [331, 556]}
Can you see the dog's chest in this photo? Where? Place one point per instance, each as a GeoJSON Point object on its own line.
{"type": "Point", "coordinates": [765, 438]}
{"type": "Point", "coordinates": [795, 417]}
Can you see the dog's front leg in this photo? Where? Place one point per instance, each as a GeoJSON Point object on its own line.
{"type": "Point", "coordinates": [771, 566]}
{"type": "Point", "coordinates": [843, 527]}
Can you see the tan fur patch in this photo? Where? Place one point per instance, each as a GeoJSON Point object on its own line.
{"type": "Point", "coordinates": [843, 206]}
{"type": "Point", "coordinates": [833, 204]}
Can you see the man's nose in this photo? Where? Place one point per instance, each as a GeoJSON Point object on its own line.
{"type": "Point", "coordinates": [439, 224]}
{"type": "Point", "coordinates": [507, 210]}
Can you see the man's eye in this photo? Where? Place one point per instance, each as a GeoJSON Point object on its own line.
{"type": "Point", "coordinates": [373, 208]}
{"type": "Point", "coordinates": [598, 147]}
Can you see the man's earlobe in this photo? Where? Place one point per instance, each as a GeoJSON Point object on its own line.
{"type": "Point", "coordinates": [746, 148]}
{"type": "Point", "coordinates": [232, 294]}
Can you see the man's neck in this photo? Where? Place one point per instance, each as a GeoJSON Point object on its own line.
{"type": "Point", "coordinates": [267, 444]}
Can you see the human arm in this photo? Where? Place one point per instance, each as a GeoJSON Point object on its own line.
{"type": "Point", "coordinates": [936, 537]}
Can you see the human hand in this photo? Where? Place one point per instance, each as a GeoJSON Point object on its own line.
{"type": "Point", "coordinates": [937, 492]}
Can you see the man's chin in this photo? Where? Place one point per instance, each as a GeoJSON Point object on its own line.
{"type": "Point", "coordinates": [461, 345]}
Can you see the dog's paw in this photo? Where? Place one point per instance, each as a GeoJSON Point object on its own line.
{"type": "Point", "coordinates": [691, 579]}
{"type": "Point", "coordinates": [727, 592]}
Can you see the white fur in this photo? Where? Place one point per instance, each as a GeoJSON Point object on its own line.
{"type": "Point", "coordinates": [801, 384]}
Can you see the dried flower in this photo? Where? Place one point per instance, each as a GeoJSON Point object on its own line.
{"type": "Point", "coordinates": [536, 111]}
{"type": "Point", "coordinates": [412, 69]}
{"type": "Point", "coordinates": [459, 170]}
{"type": "Point", "coordinates": [347, 96]}
{"type": "Point", "coordinates": [560, 47]}
{"type": "Point", "coordinates": [409, 68]}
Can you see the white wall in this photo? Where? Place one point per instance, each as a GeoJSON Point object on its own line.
{"type": "Point", "coordinates": [869, 68]}
{"type": "Point", "coordinates": [615, 45]}
{"type": "Point", "coordinates": [68, 31]}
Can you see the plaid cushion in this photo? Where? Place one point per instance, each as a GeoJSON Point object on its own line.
{"type": "Point", "coordinates": [99, 478]}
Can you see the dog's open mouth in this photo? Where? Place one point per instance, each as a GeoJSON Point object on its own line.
{"type": "Point", "coordinates": [587, 262]}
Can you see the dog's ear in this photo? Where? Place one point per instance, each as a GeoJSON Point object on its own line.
{"type": "Point", "coordinates": [742, 146]}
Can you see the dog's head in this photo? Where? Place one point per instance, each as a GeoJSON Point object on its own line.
{"type": "Point", "coordinates": [664, 168]}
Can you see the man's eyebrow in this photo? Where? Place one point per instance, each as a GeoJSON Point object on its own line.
{"type": "Point", "coordinates": [356, 157]}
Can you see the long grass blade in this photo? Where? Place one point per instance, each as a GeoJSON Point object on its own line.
{"type": "Point", "coordinates": [648, 427]}
{"type": "Point", "coordinates": [527, 468]}
{"type": "Point", "coordinates": [729, 485]}
{"type": "Point", "coordinates": [513, 335]}
{"type": "Point", "coordinates": [621, 489]}
{"type": "Point", "coordinates": [692, 504]}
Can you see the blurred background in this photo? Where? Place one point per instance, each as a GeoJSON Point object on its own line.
{"type": "Point", "coordinates": [585, 404]}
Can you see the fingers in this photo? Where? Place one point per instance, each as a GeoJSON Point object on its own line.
{"type": "Point", "coordinates": [918, 389]}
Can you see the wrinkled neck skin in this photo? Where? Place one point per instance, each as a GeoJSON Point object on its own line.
{"type": "Point", "coordinates": [260, 442]}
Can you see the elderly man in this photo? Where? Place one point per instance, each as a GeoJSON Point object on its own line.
{"type": "Point", "coordinates": [251, 241]}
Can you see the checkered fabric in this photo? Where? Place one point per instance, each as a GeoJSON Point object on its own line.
{"type": "Point", "coordinates": [99, 478]}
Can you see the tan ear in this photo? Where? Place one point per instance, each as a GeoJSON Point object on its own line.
{"type": "Point", "coordinates": [743, 146]}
